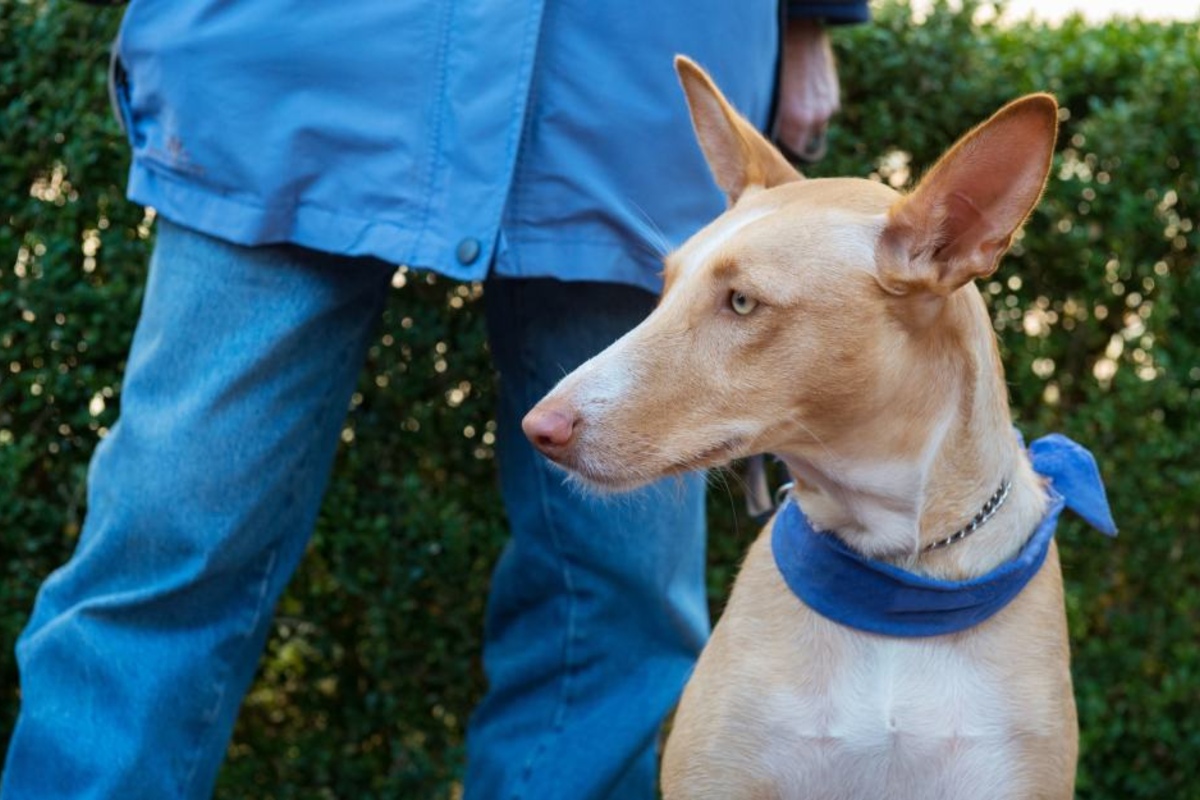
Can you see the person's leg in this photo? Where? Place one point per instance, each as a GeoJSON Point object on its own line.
{"type": "Point", "coordinates": [597, 608]}
{"type": "Point", "coordinates": [200, 502]}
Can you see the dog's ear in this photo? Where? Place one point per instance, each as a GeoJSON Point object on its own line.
{"type": "Point", "coordinates": [961, 218]}
{"type": "Point", "coordinates": [738, 155]}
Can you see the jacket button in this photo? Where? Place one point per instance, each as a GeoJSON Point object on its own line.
{"type": "Point", "coordinates": [468, 251]}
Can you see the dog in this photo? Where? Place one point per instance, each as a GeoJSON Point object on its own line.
{"type": "Point", "coordinates": [836, 324]}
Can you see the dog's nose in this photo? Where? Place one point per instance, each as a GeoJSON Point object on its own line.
{"type": "Point", "coordinates": [550, 428]}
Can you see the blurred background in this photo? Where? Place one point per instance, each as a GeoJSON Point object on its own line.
{"type": "Point", "coordinates": [373, 668]}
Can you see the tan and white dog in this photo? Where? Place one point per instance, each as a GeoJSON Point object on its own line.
{"type": "Point", "coordinates": [835, 323]}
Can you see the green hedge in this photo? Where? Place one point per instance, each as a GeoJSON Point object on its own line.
{"type": "Point", "coordinates": [373, 668]}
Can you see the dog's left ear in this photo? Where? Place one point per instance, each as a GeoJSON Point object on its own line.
{"type": "Point", "coordinates": [961, 218]}
{"type": "Point", "coordinates": [739, 156]}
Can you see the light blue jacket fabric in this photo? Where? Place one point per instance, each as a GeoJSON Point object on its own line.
{"type": "Point", "coordinates": [548, 138]}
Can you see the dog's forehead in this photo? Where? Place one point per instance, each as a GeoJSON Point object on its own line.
{"type": "Point", "coordinates": [851, 194]}
{"type": "Point", "coordinates": [821, 221]}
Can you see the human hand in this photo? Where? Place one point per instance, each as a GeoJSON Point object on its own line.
{"type": "Point", "coordinates": [808, 91]}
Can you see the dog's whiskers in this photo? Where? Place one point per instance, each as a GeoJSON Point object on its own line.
{"type": "Point", "coordinates": [653, 238]}
{"type": "Point", "coordinates": [794, 418]}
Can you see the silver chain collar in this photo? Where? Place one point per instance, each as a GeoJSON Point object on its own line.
{"type": "Point", "coordinates": [987, 512]}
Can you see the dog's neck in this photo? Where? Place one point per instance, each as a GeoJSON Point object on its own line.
{"type": "Point", "coordinates": [889, 499]}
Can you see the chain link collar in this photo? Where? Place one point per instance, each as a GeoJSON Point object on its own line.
{"type": "Point", "coordinates": [987, 512]}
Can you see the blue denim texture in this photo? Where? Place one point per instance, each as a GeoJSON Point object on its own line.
{"type": "Point", "coordinates": [203, 497]}
{"type": "Point", "coordinates": [597, 609]}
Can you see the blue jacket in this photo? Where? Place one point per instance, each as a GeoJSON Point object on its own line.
{"type": "Point", "coordinates": [541, 138]}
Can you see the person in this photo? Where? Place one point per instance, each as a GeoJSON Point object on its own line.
{"type": "Point", "coordinates": [294, 155]}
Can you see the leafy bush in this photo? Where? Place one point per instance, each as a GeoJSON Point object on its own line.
{"type": "Point", "coordinates": [373, 669]}
{"type": "Point", "coordinates": [1097, 310]}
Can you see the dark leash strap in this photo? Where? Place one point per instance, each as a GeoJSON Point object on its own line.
{"type": "Point", "coordinates": [761, 500]}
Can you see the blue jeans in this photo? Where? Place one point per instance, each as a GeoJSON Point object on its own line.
{"type": "Point", "coordinates": [140, 649]}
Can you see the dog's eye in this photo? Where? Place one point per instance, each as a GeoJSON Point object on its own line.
{"type": "Point", "coordinates": [741, 303]}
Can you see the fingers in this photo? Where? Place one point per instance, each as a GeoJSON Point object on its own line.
{"type": "Point", "coordinates": [812, 151]}
{"type": "Point", "coordinates": [809, 92]}
{"type": "Point", "coordinates": [802, 125]}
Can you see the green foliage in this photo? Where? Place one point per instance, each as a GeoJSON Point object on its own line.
{"type": "Point", "coordinates": [1096, 312]}
{"type": "Point", "coordinates": [368, 682]}
{"type": "Point", "coordinates": [72, 255]}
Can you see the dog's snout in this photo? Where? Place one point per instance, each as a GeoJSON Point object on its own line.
{"type": "Point", "coordinates": [550, 428]}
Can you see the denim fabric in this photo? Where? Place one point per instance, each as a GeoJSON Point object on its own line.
{"type": "Point", "coordinates": [200, 502]}
{"type": "Point", "coordinates": [203, 496]}
{"type": "Point", "coordinates": [597, 610]}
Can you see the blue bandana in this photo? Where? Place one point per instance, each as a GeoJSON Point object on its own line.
{"type": "Point", "coordinates": [873, 596]}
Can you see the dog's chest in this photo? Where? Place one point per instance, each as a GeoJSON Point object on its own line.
{"type": "Point", "coordinates": [897, 719]}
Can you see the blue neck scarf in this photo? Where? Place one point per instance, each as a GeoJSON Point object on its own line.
{"type": "Point", "coordinates": [869, 595]}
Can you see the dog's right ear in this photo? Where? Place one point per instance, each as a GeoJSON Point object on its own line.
{"type": "Point", "coordinates": [738, 155]}
{"type": "Point", "coordinates": [962, 216]}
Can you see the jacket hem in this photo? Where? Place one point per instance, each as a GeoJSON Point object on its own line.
{"type": "Point", "coordinates": [245, 223]}
{"type": "Point", "coordinates": [576, 261]}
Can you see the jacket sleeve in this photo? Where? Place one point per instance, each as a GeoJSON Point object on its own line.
{"type": "Point", "coordinates": [831, 12]}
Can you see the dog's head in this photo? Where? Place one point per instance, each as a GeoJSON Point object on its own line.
{"type": "Point", "coordinates": [816, 317]}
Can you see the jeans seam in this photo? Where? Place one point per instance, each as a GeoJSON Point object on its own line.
{"type": "Point", "coordinates": [221, 685]}
{"type": "Point", "coordinates": [263, 587]}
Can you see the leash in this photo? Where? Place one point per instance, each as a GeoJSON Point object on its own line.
{"type": "Point", "coordinates": [761, 502]}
